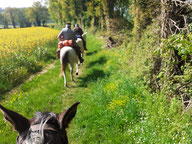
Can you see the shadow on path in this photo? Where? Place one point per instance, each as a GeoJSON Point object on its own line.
{"type": "Point", "coordinates": [102, 60]}
{"type": "Point", "coordinates": [93, 76]}
{"type": "Point", "coordinates": [91, 53]}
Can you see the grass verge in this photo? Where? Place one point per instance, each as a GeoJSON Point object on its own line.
{"type": "Point", "coordinates": [115, 107]}
{"type": "Point", "coordinates": [26, 52]}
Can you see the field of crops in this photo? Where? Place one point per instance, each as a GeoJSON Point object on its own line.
{"type": "Point", "coordinates": [22, 51]}
{"type": "Point", "coordinates": [24, 40]}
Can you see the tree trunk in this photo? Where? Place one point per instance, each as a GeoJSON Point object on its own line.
{"type": "Point", "coordinates": [60, 18]}
{"type": "Point", "coordinates": [108, 10]}
{"type": "Point", "coordinates": [13, 23]}
{"type": "Point", "coordinates": [38, 22]}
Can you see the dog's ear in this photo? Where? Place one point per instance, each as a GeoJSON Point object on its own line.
{"type": "Point", "coordinates": [66, 116]}
{"type": "Point", "coordinates": [19, 122]}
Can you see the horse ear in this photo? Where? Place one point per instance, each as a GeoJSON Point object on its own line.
{"type": "Point", "coordinates": [19, 122]}
{"type": "Point", "coordinates": [66, 116]}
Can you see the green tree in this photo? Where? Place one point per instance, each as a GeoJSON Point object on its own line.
{"type": "Point", "coordinates": [66, 12]}
{"type": "Point", "coordinates": [143, 12]}
{"type": "Point", "coordinates": [61, 10]}
{"type": "Point", "coordinates": [92, 7]}
{"type": "Point", "coordinates": [44, 15]}
{"type": "Point", "coordinates": [11, 14]}
{"type": "Point", "coordinates": [1, 18]}
{"type": "Point", "coordinates": [4, 20]}
{"type": "Point", "coordinates": [36, 9]}
{"type": "Point", "coordinates": [20, 17]}
{"type": "Point", "coordinates": [55, 11]}
{"type": "Point", "coordinates": [31, 15]}
{"type": "Point", "coordinates": [38, 14]}
{"type": "Point", "coordinates": [88, 12]}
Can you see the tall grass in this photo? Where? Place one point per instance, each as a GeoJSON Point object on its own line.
{"type": "Point", "coordinates": [24, 51]}
{"type": "Point", "coordinates": [115, 107]}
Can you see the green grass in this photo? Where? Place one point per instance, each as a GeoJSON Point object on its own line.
{"type": "Point", "coordinates": [115, 107]}
{"type": "Point", "coordinates": [20, 66]}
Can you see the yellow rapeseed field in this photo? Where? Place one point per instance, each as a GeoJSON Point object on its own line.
{"type": "Point", "coordinates": [24, 39]}
{"type": "Point", "coordinates": [24, 51]}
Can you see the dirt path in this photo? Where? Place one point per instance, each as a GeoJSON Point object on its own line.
{"type": "Point", "coordinates": [15, 89]}
{"type": "Point", "coordinates": [71, 88]}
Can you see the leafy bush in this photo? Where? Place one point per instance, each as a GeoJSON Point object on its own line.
{"type": "Point", "coordinates": [176, 72]}
{"type": "Point", "coordinates": [119, 109]}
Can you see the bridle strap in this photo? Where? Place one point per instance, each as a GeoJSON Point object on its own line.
{"type": "Point", "coordinates": [36, 127]}
{"type": "Point", "coordinates": [46, 127]}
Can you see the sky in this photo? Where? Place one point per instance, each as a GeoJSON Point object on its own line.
{"type": "Point", "coordinates": [17, 3]}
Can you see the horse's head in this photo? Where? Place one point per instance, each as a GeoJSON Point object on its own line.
{"type": "Point", "coordinates": [44, 128]}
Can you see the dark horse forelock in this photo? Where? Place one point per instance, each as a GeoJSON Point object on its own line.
{"type": "Point", "coordinates": [41, 117]}
{"type": "Point", "coordinates": [44, 129]}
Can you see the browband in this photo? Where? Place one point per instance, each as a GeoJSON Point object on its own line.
{"type": "Point", "coordinates": [37, 128]}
